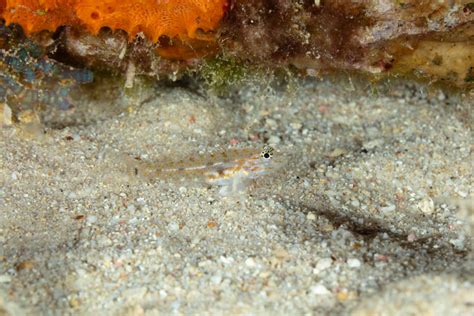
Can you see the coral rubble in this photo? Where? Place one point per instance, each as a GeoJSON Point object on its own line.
{"type": "Point", "coordinates": [29, 79]}
{"type": "Point", "coordinates": [431, 40]}
{"type": "Point", "coordinates": [388, 37]}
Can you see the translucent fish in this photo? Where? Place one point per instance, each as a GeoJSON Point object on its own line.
{"type": "Point", "coordinates": [233, 170]}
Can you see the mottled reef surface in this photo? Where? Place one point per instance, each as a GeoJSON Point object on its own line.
{"type": "Point", "coordinates": [371, 210]}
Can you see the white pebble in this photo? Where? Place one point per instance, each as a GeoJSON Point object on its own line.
{"type": "Point", "coordinates": [134, 294]}
{"type": "Point", "coordinates": [173, 226]}
{"type": "Point", "coordinates": [323, 264]}
{"type": "Point", "coordinates": [91, 219]}
{"type": "Point", "coordinates": [458, 243]}
{"type": "Point", "coordinates": [271, 123]}
{"type": "Point", "coordinates": [250, 262]}
{"type": "Point", "coordinates": [373, 143]}
{"type": "Point", "coordinates": [72, 195]}
{"type": "Point", "coordinates": [216, 279]}
{"type": "Point", "coordinates": [310, 216]}
{"type": "Point", "coordinates": [5, 278]}
{"type": "Point", "coordinates": [462, 194]}
{"type": "Point", "coordinates": [175, 305]}
{"type": "Point", "coordinates": [319, 289]}
{"type": "Point", "coordinates": [411, 237]}
{"type": "Point", "coordinates": [163, 294]}
{"type": "Point", "coordinates": [226, 260]}
{"type": "Point", "coordinates": [353, 263]}
{"type": "Point", "coordinates": [273, 140]}
{"type": "Point", "coordinates": [389, 208]}
{"type": "Point", "coordinates": [426, 206]}
{"type": "Point", "coordinates": [7, 115]}
{"type": "Point", "coordinates": [355, 203]}
{"type": "Point", "coordinates": [296, 125]}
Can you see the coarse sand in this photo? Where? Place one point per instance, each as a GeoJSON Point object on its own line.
{"type": "Point", "coordinates": [370, 211]}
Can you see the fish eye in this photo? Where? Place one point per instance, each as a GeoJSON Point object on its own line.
{"type": "Point", "coordinates": [267, 152]}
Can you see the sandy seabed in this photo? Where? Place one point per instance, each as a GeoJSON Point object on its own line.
{"type": "Point", "coordinates": [370, 211]}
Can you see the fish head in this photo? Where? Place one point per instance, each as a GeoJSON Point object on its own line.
{"type": "Point", "coordinates": [261, 164]}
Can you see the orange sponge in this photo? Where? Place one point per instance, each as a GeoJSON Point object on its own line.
{"type": "Point", "coordinates": [39, 15]}
{"type": "Point", "coordinates": [173, 18]}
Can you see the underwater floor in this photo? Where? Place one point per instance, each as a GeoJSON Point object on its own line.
{"type": "Point", "coordinates": [369, 207]}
